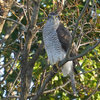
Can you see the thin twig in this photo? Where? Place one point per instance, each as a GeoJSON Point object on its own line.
{"type": "Point", "coordinates": [6, 63]}
{"type": "Point", "coordinates": [86, 51]}
{"type": "Point", "coordinates": [51, 90]}
{"type": "Point", "coordinates": [28, 10]}
{"type": "Point", "coordinates": [12, 20]}
{"type": "Point", "coordinates": [74, 31]}
{"type": "Point", "coordinates": [94, 90]}
{"type": "Point", "coordinates": [14, 83]}
{"type": "Point", "coordinates": [90, 42]}
{"type": "Point", "coordinates": [16, 58]}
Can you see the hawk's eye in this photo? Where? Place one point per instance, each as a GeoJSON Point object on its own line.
{"type": "Point", "coordinates": [49, 16]}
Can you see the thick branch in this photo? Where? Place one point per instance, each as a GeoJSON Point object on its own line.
{"type": "Point", "coordinates": [35, 11]}
{"type": "Point", "coordinates": [36, 55]}
{"type": "Point", "coordinates": [85, 52]}
{"type": "Point", "coordinates": [43, 86]}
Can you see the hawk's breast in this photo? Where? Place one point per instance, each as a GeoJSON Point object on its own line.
{"type": "Point", "coordinates": [53, 47]}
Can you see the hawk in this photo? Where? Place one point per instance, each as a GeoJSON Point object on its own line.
{"type": "Point", "coordinates": [56, 40]}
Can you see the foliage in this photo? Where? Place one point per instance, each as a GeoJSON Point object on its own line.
{"type": "Point", "coordinates": [89, 71]}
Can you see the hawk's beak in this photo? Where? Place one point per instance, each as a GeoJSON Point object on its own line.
{"type": "Point", "coordinates": [53, 17]}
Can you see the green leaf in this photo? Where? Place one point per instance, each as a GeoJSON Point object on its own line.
{"type": "Point", "coordinates": [98, 11]}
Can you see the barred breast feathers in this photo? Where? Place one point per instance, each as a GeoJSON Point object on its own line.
{"type": "Point", "coordinates": [53, 48]}
{"type": "Point", "coordinates": [52, 44]}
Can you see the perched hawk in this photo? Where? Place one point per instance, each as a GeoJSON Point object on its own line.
{"type": "Point", "coordinates": [56, 40]}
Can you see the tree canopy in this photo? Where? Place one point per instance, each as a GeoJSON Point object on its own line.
{"type": "Point", "coordinates": [25, 71]}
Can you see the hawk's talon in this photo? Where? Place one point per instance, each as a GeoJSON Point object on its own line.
{"type": "Point", "coordinates": [57, 65]}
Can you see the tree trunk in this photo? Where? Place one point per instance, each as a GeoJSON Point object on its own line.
{"type": "Point", "coordinates": [26, 69]}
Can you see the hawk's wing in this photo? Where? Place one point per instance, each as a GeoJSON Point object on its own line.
{"type": "Point", "coordinates": [65, 37]}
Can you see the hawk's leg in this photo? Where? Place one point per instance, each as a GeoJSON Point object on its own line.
{"type": "Point", "coordinates": [73, 83]}
{"type": "Point", "coordinates": [57, 65]}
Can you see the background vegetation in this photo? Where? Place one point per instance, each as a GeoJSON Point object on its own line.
{"type": "Point", "coordinates": [25, 72]}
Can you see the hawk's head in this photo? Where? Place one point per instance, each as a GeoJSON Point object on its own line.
{"type": "Point", "coordinates": [53, 18]}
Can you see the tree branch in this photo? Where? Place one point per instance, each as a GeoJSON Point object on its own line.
{"type": "Point", "coordinates": [82, 54]}
{"type": "Point", "coordinates": [9, 19]}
